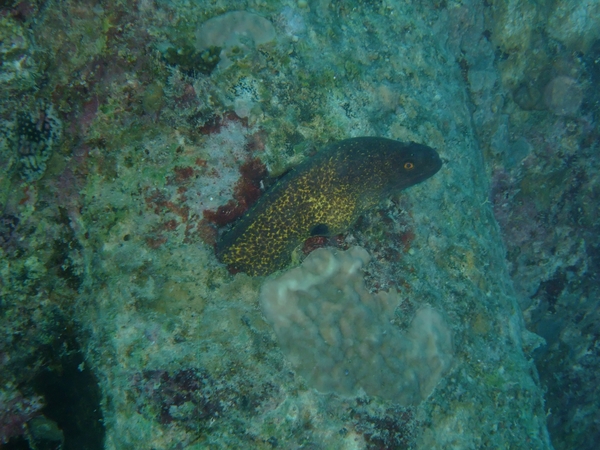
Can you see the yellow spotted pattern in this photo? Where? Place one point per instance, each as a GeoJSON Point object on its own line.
{"type": "Point", "coordinates": [333, 189]}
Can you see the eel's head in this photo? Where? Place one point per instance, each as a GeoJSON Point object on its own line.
{"type": "Point", "coordinates": [415, 163]}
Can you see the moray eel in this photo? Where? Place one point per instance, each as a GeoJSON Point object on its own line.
{"type": "Point", "coordinates": [323, 196]}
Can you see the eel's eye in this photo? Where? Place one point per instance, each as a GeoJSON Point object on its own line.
{"type": "Point", "coordinates": [409, 166]}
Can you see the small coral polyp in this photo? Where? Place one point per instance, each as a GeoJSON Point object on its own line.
{"type": "Point", "coordinates": [340, 337]}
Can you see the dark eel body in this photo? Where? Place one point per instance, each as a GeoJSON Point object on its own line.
{"type": "Point", "coordinates": [323, 196]}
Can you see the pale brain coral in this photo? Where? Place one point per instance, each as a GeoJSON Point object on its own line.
{"type": "Point", "coordinates": [341, 338]}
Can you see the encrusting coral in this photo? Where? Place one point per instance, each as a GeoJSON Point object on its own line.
{"type": "Point", "coordinates": [235, 31]}
{"type": "Point", "coordinates": [342, 339]}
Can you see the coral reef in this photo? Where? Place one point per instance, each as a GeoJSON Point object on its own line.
{"type": "Point", "coordinates": [110, 293]}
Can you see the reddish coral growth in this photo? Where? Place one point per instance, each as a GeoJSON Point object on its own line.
{"type": "Point", "coordinates": [155, 201]}
{"type": "Point", "coordinates": [156, 241]}
{"type": "Point", "coordinates": [81, 123]}
{"type": "Point", "coordinates": [182, 175]}
{"type": "Point", "coordinates": [245, 193]}
{"type": "Point", "coordinates": [247, 189]}
{"type": "Point", "coordinates": [169, 225]}
{"type": "Point", "coordinates": [224, 214]}
{"type": "Point", "coordinates": [22, 11]}
{"type": "Point", "coordinates": [406, 239]}
{"type": "Point", "coordinates": [188, 97]}
{"type": "Point", "coordinates": [158, 202]}
{"type": "Point", "coordinates": [313, 243]}
{"type": "Point", "coordinates": [339, 241]}
{"type": "Point", "coordinates": [254, 170]}
{"type": "Point", "coordinates": [206, 231]}
{"type": "Point", "coordinates": [26, 197]}
{"type": "Point", "coordinates": [256, 141]}
{"type": "Point", "coordinates": [215, 123]}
